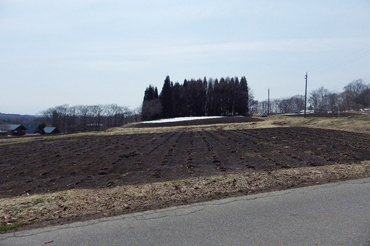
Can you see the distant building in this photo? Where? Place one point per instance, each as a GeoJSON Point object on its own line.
{"type": "Point", "coordinates": [34, 128]}
{"type": "Point", "coordinates": [94, 126]}
{"type": "Point", "coordinates": [51, 130]}
{"type": "Point", "coordinates": [13, 129]}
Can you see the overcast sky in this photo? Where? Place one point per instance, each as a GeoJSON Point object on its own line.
{"type": "Point", "coordinates": [103, 52]}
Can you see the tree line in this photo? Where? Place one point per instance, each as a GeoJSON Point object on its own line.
{"type": "Point", "coordinates": [212, 97]}
{"type": "Point", "coordinates": [81, 118]}
{"type": "Point", "coordinates": [355, 96]}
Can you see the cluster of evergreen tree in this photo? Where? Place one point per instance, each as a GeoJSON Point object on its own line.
{"type": "Point", "coordinates": [224, 97]}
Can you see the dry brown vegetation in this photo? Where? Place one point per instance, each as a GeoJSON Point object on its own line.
{"type": "Point", "coordinates": [166, 170]}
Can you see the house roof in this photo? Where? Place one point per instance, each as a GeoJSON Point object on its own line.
{"type": "Point", "coordinates": [11, 127]}
{"type": "Point", "coordinates": [31, 128]}
{"type": "Point", "coordinates": [50, 129]}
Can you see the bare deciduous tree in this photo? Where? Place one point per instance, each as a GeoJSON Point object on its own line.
{"type": "Point", "coordinates": [318, 99]}
{"type": "Point", "coordinates": [352, 94]}
{"type": "Point", "coordinates": [86, 118]}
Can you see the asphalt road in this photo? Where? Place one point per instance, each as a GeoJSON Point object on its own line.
{"type": "Point", "coordinates": [332, 214]}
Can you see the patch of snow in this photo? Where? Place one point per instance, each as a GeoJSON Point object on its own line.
{"type": "Point", "coordinates": [178, 119]}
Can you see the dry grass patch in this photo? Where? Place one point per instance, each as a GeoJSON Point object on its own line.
{"type": "Point", "coordinates": [79, 204]}
{"type": "Point", "coordinates": [344, 124]}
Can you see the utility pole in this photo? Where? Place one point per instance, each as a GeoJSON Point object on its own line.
{"type": "Point", "coordinates": [268, 102]}
{"type": "Point", "coordinates": [338, 111]}
{"type": "Point", "coordinates": [339, 103]}
{"type": "Point", "coordinates": [305, 98]}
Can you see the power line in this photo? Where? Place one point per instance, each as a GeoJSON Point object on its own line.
{"type": "Point", "coordinates": [361, 53]}
{"type": "Point", "coordinates": [323, 71]}
{"type": "Point", "coordinates": [347, 57]}
{"type": "Point", "coordinates": [336, 65]}
{"type": "Point", "coordinates": [364, 80]}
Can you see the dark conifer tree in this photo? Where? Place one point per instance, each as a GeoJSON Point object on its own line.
{"type": "Point", "coordinates": [151, 109]}
{"type": "Point", "coordinates": [192, 97]}
{"type": "Point", "coordinates": [198, 97]}
{"type": "Point", "coordinates": [210, 97]}
{"type": "Point", "coordinates": [223, 96]}
{"type": "Point", "coordinates": [176, 97]}
{"type": "Point", "coordinates": [150, 93]}
{"type": "Point", "coordinates": [217, 99]}
{"type": "Point", "coordinates": [237, 96]}
{"type": "Point", "coordinates": [244, 100]}
{"type": "Point", "coordinates": [184, 98]}
{"type": "Point", "coordinates": [231, 97]}
{"type": "Point", "coordinates": [166, 99]}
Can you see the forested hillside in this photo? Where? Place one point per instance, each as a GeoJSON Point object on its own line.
{"type": "Point", "coordinates": [17, 118]}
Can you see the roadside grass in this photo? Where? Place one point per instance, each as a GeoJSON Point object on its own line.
{"type": "Point", "coordinates": [7, 227]}
{"type": "Point", "coordinates": [363, 119]}
{"type": "Point", "coordinates": [75, 205]}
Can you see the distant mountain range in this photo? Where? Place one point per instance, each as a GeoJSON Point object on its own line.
{"type": "Point", "coordinates": [22, 118]}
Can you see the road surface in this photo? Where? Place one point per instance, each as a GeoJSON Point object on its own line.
{"type": "Point", "coordinates": [331, 214]}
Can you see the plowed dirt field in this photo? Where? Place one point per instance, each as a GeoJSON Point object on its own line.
{"type": "Point", "coordinates": [97, 161]}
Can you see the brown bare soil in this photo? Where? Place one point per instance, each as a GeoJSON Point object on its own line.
{"type": "Point", "coordinates": [67, 178]}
